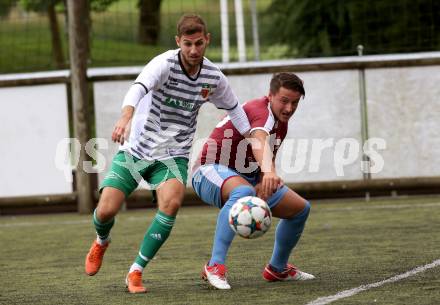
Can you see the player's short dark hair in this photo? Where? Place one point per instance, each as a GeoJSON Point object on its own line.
{"type": "Point", "coordinates": [286, 80]}
{"type": "Point", "coordinates": [189, 24]}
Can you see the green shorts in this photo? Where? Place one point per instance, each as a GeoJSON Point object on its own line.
{"type": "Point", "coordinates": [127, 172]}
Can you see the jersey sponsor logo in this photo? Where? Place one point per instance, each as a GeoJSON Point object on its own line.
{"type": "Point", "coordinates": [179, 104]}
{"type": "Point", "coordinates": [156, 236]}
{"type": "Point", "coordinates": [206, 90]}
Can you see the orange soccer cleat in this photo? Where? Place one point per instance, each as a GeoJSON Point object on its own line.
{"type": "Point", "coordinates": [134, 282]}
{"type": "Point", "coordinates": [94, 258]}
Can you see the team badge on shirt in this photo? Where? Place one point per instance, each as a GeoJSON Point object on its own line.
{"type": "Point", "coordinates": [206, 90]}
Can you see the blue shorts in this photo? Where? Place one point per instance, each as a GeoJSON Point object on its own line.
{"type": "Point", "coordinates": [208, 180]}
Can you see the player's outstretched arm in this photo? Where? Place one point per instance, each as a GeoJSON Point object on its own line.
{"type": "Point", "coordinates": [224, 98]}
{"type": "Point", "coordinates": [240, 120]}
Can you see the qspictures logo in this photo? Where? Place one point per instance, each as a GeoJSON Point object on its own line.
{"type": "Point", "coordinates": [294, 155]}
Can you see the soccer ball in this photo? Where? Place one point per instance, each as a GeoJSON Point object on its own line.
{"type": "Point", "coordinates": [250, 217]}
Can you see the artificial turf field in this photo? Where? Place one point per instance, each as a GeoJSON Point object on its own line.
{"type": "Point", "coordinates": [346, 244]}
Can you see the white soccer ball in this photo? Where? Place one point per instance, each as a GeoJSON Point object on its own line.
{"type": "Point", "coordinates": [250, 217]}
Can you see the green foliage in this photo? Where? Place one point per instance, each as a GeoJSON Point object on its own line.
{"type": "Point", "coordinates": [294, 28]}
{"type": "Point", "coordinates": [100, 5]}
{"type": "Point", "coordinates": [38, 5]}
{"type": "Point", "coordinates": [26, 48]}
{"type": "Point", "coordinates": [42, 5]}
{"type": "Point", "coordinates": [332, 27]}
{"type": "Point", "coordinates": [6, 6]}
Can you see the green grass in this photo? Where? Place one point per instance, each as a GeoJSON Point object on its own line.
{"type": "Point", "coordinates": [346, 244]}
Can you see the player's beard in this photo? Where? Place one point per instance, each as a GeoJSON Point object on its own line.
{"type": "Point", "coordinates": [191, 63]}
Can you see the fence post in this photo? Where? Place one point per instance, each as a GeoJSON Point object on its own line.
{"type": "Point", "coordinates": [225, 29]}
{"type": "Point", "coordinates": [364, 122]}
{"type": "Point", "coordinates": [78, 25]}
{"type": "Point", "coordinates": [254, 14]}
{"type": "Point", "coordinates": [241, 41]}
{"type": "Point", "coordinates": [364, 117]}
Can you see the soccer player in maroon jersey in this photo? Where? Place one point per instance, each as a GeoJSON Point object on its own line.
{"type": "Point", "coordinates": [231, 167]}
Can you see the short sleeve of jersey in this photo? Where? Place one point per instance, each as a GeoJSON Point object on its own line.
{"type": "Point", "coordinates": [155, 73]}
{"type": "Point", "coordinates": [223, 97]}
{"type": "Point", "coordinates": [260, 117]}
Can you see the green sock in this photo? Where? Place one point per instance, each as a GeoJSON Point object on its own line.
{"type": "Point", "coordinates": [102, 229]}
{"type": "Point", "coordinates": [154, 238]}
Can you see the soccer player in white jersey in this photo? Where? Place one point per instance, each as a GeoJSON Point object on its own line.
{"type": "Point", "coordinates": [162, 106]}
{"type": "Point", "coordinates": [228, 170]}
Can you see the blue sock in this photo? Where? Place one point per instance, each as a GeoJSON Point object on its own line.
{"type": "Point", "coordinates": [287, 234]}
{"type": "Point", "coordinates": [223, 233]}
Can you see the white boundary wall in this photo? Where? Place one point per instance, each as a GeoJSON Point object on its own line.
{"type": "Point", "coordinates": [403, 108]}
{"type": "Point", "coordinates": [33, 121]}
{"type": "Point", "coordinates": [403, 105]}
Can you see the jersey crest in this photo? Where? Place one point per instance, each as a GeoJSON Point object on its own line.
{"type": "Point", "coordinates": [206, 90]}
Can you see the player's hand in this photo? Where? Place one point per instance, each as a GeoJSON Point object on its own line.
{"type": "Point", "coordinates": [270, 182]}
{"type": "Point", "coordinates": [121, 130]}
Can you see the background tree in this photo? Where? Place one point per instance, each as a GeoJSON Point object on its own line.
{"type": "Point", "coordinates": [6, 6]}
{"type": "Point", "coordinates": [149, 21]}
{"type": "Point", "coordinates": [49, 7]}
{"type": "Point", "coordinates": [332, 27]}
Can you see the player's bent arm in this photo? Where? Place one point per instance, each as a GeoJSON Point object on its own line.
{"type": "Point", "coordinates": [151, 77]}
{"type": "Point", "coordinates": [136, 92]}
{"type": "Point", "coordinates": [261, 150]}
{"type": "Point", "coordinates": [263, 155]}
{"type": "Point", "coordinates": [121, 128]}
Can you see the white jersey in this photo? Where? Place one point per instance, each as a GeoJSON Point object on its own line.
{"type": "Point", "coordinates": [166, 117]}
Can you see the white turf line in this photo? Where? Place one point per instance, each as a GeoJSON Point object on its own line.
{"type": "Point", "coordinates": [385, 206]}
{"type": "Point", "coordinates": [352, 292]}
{"type": "Point", "coordinates": [134, 218]}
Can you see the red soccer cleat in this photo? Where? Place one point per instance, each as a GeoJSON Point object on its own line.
{"type": "Point", "coordinates": [216, 276]}
{"type": "Point", "coordinates": [290, 273]}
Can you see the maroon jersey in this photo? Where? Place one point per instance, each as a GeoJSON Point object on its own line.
{"type": "Point", "coordinates": [228, 147]}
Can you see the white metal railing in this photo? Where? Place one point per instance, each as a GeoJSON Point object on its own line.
{"type": "Point", "coordinates": [304, 64]}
